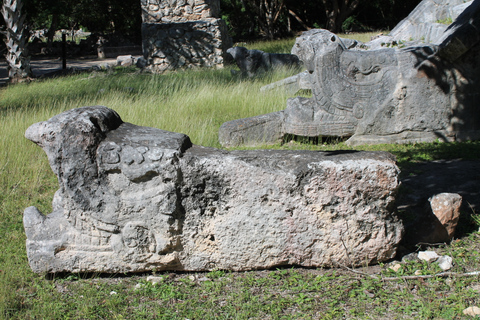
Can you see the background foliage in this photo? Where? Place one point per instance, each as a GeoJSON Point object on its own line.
{"type": "Point", "coordinates": [105, 17]}
{"type": "Point", "coordinates": [249, 19]}
{"type": "Point", "coordinates": [246, 19]}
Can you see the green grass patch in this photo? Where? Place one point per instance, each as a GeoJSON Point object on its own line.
{"type": "Point", "coordinates": [446, 21]}
{"type": "Point", "coordinates": [285, 45]}
{"type": "Point", "coordinates": [197, 103]}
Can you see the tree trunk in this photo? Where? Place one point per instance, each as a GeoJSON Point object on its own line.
{"type": "Point", "coordinates": [51, 31]}
{"type": "Point", "coordinates": [268, 13]}
{"type": "Point", "coordinates": [337, 12]}
{"type": "Point", "coordinates": [303, 24]}
{"type": "Point", "coordinates": [18, 63]}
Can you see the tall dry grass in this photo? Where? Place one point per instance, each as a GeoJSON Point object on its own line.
{"type": "Point", "coordinates": [192, 102]}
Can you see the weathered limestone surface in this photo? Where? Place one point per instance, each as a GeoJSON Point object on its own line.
{"type": "Point", "coordinates": [415, 94]}
{"type": "Point", "coordinates": [292, 84]}
{"type": "Point", "coordinates": [429, 20]}
{"type": "Point", "coordinates": [157, 11]}
{"type": "Point", "coordinates": [427, 23]}
{"type": "Point", "coordinates": [446, 207]}
{"type": "Point", "coordinates": [134, 198]}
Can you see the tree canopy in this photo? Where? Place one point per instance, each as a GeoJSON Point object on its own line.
{"type": "Point", "coordinates": [277, 18]}
{"type": "Point", "coordinates": [106, 16]}
{"type": "Point", "coordinates": [247, 19]}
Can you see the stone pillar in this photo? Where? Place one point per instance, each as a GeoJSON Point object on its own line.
{"type": "Point", "coordinates": [183, 34]}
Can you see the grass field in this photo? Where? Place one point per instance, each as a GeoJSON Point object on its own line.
{"type": "Point", "coordinates": [197, 103]}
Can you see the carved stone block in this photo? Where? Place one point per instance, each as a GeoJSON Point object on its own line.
{"type": "Point", "coordinates": [133, 199]}
{"type": "Point", "coordinates": [395, 95]}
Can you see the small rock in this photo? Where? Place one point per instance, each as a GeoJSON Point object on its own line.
{"type": "Point", "coordinates": [141, 62]}
{"type": "Point", "coordinates": [428, 256]}
{"type": "Point", "coordinates": [410, 257]}
{"type": "Point", "coordinates": [396, 267]}
{"type": "Point", "coordinates": [104, 66]}
{"type": "Point", "coordinates": [414, 290]}
{"type": "Point", "coordinates": [204, 279]}
{"type": "Point", "coordinates": [192, 277]}
{"type": "Point", "coordinates": [472, 311]}
{"type": "Point", "coordinates": [113, 293]}
{"type": "Point", "coordinates": [445, 263]}
{"type": "Point", "coordinates": [139, 285]}
{"type": "Point", "coordinates": [475, 287]}
{"type": "Point", "coordinates": [446, 207]}
{"type": "Point", "coordinates": [369, 294]}
{"type": "Point", "coordinates": [418, 272]}
{"type": "Point", "coordinates": [154, 280]}
{"type": "Point", "coordinates": [125, 61]}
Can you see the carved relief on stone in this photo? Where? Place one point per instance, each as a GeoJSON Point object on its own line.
{"type": "Point", "coordinates": [132, 199]}
{"type": "Point", "coordinates": [413, 94]}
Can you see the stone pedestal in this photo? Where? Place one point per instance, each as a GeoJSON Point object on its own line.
{"type": "Point", "coordinates": [183, 34]}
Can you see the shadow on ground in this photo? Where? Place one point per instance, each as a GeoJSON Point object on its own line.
{"type": "Point", "coordinates": [421, 181]}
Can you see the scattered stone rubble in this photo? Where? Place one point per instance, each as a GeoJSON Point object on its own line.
{"type": "Point", "coordinates": [445, 262]}
{"type": "Point", "coordinates": [129, 60]}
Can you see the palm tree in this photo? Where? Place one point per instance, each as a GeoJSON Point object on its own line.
{"type": "Point", "coordinates": [18, 63]}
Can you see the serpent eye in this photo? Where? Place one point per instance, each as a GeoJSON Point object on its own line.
{"type": "Point", "coordinates": [333, 39]}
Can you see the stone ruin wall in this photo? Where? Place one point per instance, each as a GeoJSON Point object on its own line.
{"type": "Point", "coordinates": [183, 34]}
{"type": "Point", "coordinates": [157, 11]}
